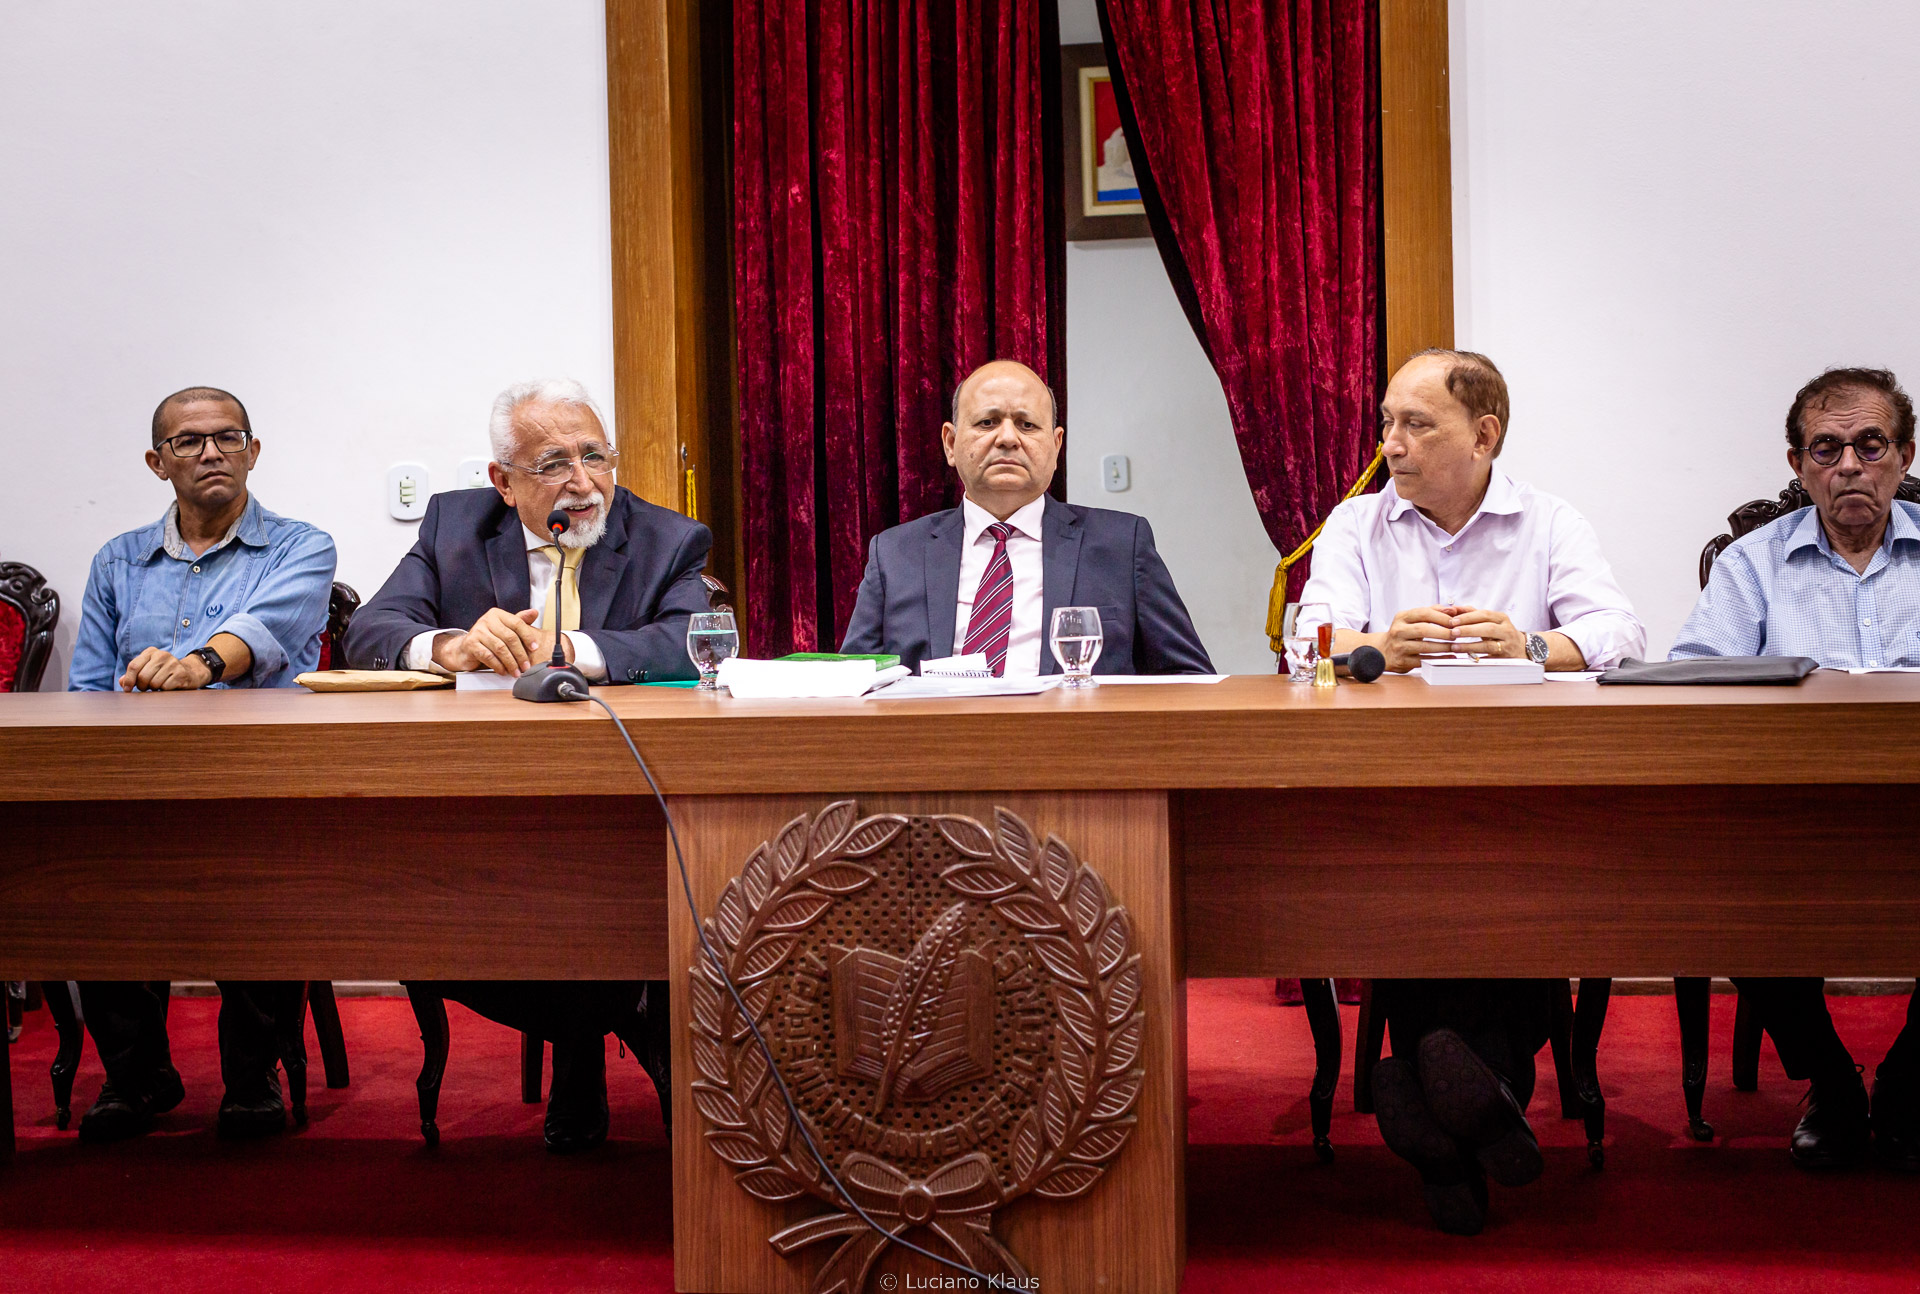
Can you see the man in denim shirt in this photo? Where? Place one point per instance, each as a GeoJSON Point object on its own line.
{"type": "Point", "coordinates": [1839, 582]}
{"type": "Point", "coordinates": [217, 593]}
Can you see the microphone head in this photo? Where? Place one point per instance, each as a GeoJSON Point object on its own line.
{"type": "Point", "coordinates": [557, 522]}
{"type": "Point", "coordinates": [1366, 663]}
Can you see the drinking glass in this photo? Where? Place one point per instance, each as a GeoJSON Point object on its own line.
{"type": "Point", "coordinates": [1076, 642]}
{"type": "Point", "coordinates": [711, 638]}
{"type": "Point", "coordinates": [1299, 634]}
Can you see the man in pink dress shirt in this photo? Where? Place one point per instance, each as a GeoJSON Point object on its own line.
{"type": "Point", "coordinates": [1455, 556]}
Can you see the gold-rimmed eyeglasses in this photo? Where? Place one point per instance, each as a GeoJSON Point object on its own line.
{"type": "Point", "coordinates": [598, 462]}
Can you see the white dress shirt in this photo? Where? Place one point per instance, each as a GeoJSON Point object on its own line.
{"type": "Point", "coordinates": [540, 571]}
{"type": "Point", "coordinates": [1522, 552]}
{"type": "Point", "coordinates": [1029, 581]}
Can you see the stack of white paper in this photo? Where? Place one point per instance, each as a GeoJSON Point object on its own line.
{"type": "Point", "coordinates": [781, 680]}
{"type": "Point", "coordinates": [1457, 670]}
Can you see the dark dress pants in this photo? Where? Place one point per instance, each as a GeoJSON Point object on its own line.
{"type": "Point", "coordinates": [128, 1022]}
{"type": "Point", "coordinates": [1794, 1013]}
{"type": "Point", "coordinates": [1504, 1021]}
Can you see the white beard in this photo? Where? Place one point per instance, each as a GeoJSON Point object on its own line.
{"type": "Point", "coordinates": [584, 534]}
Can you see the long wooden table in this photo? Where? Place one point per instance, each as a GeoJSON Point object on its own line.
{"type": "Point", "coordinates": [1254, 827]}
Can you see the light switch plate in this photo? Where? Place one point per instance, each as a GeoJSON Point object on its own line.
{"type": "Point", "coordinates": [472, 474]}
{"type": "Point", "coordinates": [1116, 474]}
{"type": "Point", "coordinates": [407, 491]}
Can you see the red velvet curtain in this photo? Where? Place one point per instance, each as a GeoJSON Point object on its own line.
{"type": "Point", "coordinates": [1254, 129]}
{"type": "Point", "coordinates": [892, 230]}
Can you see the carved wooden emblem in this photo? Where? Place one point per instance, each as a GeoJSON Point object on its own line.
{"type": "Point", "coordinates": [956, 1011]}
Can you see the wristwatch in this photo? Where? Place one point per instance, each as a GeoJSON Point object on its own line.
{"type": "Point", "coordinates": [1537, 648]}
{"type": "Point", "coordinates": [212, 660]}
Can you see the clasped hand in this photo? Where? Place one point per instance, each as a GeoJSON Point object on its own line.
{"type": "Point", "coordinates": [506, 642]}
{"type": "Point", "coordinates": [1439, 631]}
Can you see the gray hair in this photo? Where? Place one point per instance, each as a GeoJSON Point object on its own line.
{"type": "Point", "coordinates": [545, 390]}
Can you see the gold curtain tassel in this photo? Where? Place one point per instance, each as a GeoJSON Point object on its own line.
{"type": "Point", "coordinates": [1277, 598]}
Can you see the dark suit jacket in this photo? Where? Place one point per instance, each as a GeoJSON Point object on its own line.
{"type": "Point", "coordinates": [638, 585]}
{"type": "Point", "coordinates": [1091, 557]}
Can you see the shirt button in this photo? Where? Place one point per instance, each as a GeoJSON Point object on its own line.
{"type": "Point", "coordinates": [185, 623]}
{"type": "Point", "coordinates": [196, 570]}
{"type": "Point", "coordinates": [1865, 623]}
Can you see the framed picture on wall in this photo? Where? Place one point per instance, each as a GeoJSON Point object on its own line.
{"type": "Point", "coordinates": [1101, 195]}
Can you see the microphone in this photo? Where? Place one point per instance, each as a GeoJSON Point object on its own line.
{"type": "Point", "coordinates": [556, 680]}
{"type": "Point", "coordinates": [1364, 664]}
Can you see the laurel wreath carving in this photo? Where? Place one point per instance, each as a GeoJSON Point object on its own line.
{"type": "Point", "coordinates": [1061, 907]}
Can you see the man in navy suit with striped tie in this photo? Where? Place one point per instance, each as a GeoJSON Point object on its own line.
{"type": "Point", "coordinates": [985, 577]}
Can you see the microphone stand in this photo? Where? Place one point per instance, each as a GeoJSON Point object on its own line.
{"type": "Point", "coordinates": [556, 680]}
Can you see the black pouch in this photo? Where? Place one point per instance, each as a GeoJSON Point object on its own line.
{"type": "Point", "coordinates": [1713, 669]}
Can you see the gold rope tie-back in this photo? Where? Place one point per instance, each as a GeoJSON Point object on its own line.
{"type": "Point", "coordinates": [1277, 599]}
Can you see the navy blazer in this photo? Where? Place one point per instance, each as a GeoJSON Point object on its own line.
{"type": "Point", "coordinates": [910, 594]}
{"type": "Point", "coordinates": [638, 585]}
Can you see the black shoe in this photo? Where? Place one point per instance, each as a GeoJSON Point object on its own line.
{"type": "Point", "coordinates": [1475, 1104]}
{"type": "Point", "coordinates": [115, 1115]}
{"type": "Point", "coordinates": [1454, 1185]}
{"type": "Point", "coordinates": [1896, 1125]}
{"type": "Point", "coordinates": [257, 1111]}
{"type": "Point", "coordinates": [574, 1126]}
{"type": "Point", "coordinates": [1457, 1203]}
{"type": "Point", "coordinates": [1834, 1131]}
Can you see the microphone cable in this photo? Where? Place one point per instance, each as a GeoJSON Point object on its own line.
{"type": "Point", "coordinates": [569, 692]}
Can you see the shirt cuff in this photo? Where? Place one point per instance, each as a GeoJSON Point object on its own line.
{"type": "Point", "coordinates": [268, 655]}
{"type": "Point", "coordinates": [419, 652]}
{"type": "Point", "coordinates": [586, 656]}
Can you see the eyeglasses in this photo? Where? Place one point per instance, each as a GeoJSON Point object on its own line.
{"type": "Point", "coordinates": [191, 444]}
{"type": "Point", "coordinates": [1827, 450]}
{"type": "Point", "coordinates": [552, 471]}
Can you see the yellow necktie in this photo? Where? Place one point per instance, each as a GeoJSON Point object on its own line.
{"type": "Point", "coordinates": [563, 595]}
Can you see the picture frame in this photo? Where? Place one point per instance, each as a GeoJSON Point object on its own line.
{"type": "Point", "coordinates": [1096, 195]}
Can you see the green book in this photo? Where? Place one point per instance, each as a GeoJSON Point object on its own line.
{"type": "Point", "coordinates": [880, 661]}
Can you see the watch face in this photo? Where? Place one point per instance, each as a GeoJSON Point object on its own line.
{"type": "Point", "coordinates": [1537, 649]}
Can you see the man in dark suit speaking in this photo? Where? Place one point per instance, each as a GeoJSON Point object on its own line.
{"type": "Point", "coordinates": [985, 577]}
{"type": "Point", "coordinates": [487, 588]}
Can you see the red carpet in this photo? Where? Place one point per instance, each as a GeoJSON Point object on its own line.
{"type": "Point", "coordinates": [356, 1201]}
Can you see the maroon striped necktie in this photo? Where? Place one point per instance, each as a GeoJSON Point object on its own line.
{"type": "Point", "coordinates": [991, 623]}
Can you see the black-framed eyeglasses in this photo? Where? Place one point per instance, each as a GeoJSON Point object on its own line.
{"type": "Point", "coordinates": [1827, 450]}
{"type": "Point", "coordinates": [598, 462]}
{"type": "Point", "coordinates": [191, 444]}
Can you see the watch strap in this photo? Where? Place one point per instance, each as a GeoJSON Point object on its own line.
{"type": "Point", "coordinates": [216, 663]}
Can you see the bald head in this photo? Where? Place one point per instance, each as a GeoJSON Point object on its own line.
{"type": "Point", "coordinates": [1004, 367]}
{"type": "Point", "coordinates": [164, 412]}
{"type": "Point", "coordinates": [1003, 440]}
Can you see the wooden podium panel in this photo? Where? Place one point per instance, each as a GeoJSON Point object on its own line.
{"type": "Point", "coordinates": [1128, 1232]}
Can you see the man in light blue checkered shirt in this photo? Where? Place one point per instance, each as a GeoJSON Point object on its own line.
{"type": "Point", "coordinates": [1839, 582]}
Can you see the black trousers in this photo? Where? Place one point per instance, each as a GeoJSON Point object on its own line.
{"type": "Point", "coordinates": [1794, 1013]}
{"type": "Point", "coordinates": [1504, 1021]}
{"type": "Point", "coordinates": [128, 1021]}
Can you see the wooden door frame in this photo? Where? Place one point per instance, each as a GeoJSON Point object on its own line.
{"type": "Point", "coordinates": [1416, 180]}
{"type": "Point", "coordinates": [668, 155]}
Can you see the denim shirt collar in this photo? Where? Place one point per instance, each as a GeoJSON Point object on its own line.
{"type": "Point", "coordinates": [164, 535]}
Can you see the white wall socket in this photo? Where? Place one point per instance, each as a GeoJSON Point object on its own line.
{"type": "Point", "coordinates": [1116, 474]}
{"type": "Point", "coordinates": [472, 474]}
{"type": "Point", "coordinates": [407, 491]}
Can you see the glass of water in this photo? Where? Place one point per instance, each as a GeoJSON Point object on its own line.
{"type": "Point", "coordinates": [711, 638]}
{"type": "Point", "coordinates": [1076, 642]}
{"type": "Point", "coordinates": [1299, 634]}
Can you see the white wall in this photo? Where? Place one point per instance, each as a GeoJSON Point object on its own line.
{"type": "Point", "coordinates": [1667, 217]}
{"type": "Point", "coordinates": [1138, 384]}
{"type": "Point", "coordinates": [363, 218]}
